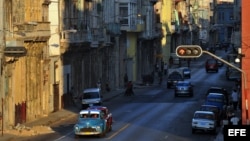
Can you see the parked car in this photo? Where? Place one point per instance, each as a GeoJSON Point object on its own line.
{"type": "Point", "coordinates": [91, 97]}
{"type": "Point", "coordinates": [93, 122]}
{"type": "Point", "coordinates": [216, 99]}
{"type": "Point", "coordinates": [220, 63]}
{"type": "Point", "coordinates": [233, 75]}
{"type": "Point", "coordinates": [218, 114]}
{"type": "Point", "coordinates": [204, 121]}
{"type": "Point", "coordinates": [186, 72]}
{"type": "Point", "coordinates": [176, 59]}
{"type": "Point", "coordinates": [173, 78]}
{"type": "Point", "coordinates": [225, 45]}
{"type": "Point", "coordinates": [211, 65]}
{"type": "Point", "coordinates": [218, 45]}
{"type": "Point", "coordinates": [183, 88]}
{"type": "Point", "coordinates": [221, 91]}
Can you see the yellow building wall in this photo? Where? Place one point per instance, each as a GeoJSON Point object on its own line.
{"type": "Point", "coordinates": [166, 11]}
{"type": "Point", "coordinates": [131, 53]}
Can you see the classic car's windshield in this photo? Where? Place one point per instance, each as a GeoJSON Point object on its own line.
{"type": "Point", "coordinates": [89, 115]}
{"type": "Point", "coordinates": [84, 116]}
{"type": "Point", "coordinates": [183, 84]}
{"type": "Point", "coordinates": [213, 109]}
{"type": "Point", "coordinates": [175, 75]}
{"type": "Point", "coordinates": [215, 100]}
{"type": "Point", "coordinates": [90, 95]}
{"type": "Point", "coordinates": [203, 116]}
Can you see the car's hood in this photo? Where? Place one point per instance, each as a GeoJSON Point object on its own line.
{"type": "Point", "coordinates": [91, 100]}
{"type": "Point", "coordinates": [203, 120]}
{"type": "Point", "coordinates": [218, 104]}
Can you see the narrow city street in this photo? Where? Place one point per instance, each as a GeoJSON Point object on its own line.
{"type": "Point", "coordinates": [153, 113]}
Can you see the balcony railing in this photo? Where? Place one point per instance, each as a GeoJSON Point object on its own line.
{"type": "Point", "coordinates": [84, 36]}
{"type": "Point", "coordinates": [35, 31]}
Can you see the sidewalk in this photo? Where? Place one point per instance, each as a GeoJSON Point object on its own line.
{"type": "Point", "coordinates": [220, 136]}
{"type": "Point", "coordinates": [58, 116]}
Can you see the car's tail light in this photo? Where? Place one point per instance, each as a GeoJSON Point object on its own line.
{"type": "Point", "coordinates": [211, 123]}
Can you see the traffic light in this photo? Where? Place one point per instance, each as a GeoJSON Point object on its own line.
{"type": "Point", "coordinates": [15, 51]}
{"type": "Point", "coordinates": [188, 51]}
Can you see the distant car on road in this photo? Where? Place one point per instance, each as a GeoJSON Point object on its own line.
{"type": "Point", "coordinates": [204, 121]}
{"type": "Point", "coordinates": [220, 63]}
{"type": "Point", "coordinates": [183, 88]}
{"type": "Point", "coordinates": [211, 65]}
{"type": "Point", "coordinates": [173, 78]}
{"type": "Point", "coordinates": [91, 97]}
{"type": "Point", "coordinates": [233, 75]}
{"type": "Point", "coordinates": [186, 72]}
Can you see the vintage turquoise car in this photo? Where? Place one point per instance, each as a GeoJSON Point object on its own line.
{"type": "Point", "coordinates": [93, 122]}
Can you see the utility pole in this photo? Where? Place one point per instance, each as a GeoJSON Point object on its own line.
{"type": "Point", "coordinates": [190, 22]}
{"type": "Point", "coordinates": [2, 45]}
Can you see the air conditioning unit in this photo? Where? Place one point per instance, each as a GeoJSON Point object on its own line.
{"type": "Point", "coordinates": [94, 44]}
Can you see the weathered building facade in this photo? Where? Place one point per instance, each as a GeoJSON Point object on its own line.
{"type": "Point", "coordinates": [24, 87]}
{"type": "Point", "coordinates": [113, 38]}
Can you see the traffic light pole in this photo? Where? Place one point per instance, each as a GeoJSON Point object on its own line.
{"type": "Point", "coordinates": [229, 64]}
{"type": "Point", "coordinates": [244, 79]}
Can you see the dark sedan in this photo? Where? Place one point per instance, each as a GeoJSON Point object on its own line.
{"type": "Point", "coordinates": [219, 90]}
{"type": "Point", "coordinates": [212, 65]}
{"type": "Point", "coordinates": [215, 109]}
{"type": "Point", "coordinates": [173, 78]}
{"type": "Point", "coordinates": [183, 88]}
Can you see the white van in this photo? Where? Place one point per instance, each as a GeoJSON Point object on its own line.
{"type": "Point", "coordinates": [91, 97]}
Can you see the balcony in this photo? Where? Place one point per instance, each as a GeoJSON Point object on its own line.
{"type": "Point", "coordinates": [94, 37]}
{"type": "Point", "coordinates": [133, 28]}
{"type": "Point", "coordinates": [32, 31]}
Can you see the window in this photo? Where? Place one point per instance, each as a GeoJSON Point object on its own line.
{"type": "Point", "coordinates": [91, 95]}
{"type": "Point", "coordinates": [94, 115]}
{"type": "Point", "coordinates": [83, 115]}
{"type": "Point", "coordinates": [128, 13]}
{"type": "Point", "coordinates": [124, 14]}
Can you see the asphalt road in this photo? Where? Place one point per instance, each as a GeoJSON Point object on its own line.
{"type": "Point", "coordinates": [153, 114]}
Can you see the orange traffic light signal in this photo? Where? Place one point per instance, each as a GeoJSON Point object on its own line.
{"type": "Point", "coordinates": [188, 51]}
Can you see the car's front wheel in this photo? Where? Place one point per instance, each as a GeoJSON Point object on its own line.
{"type": "Point", "coordinates": [213, 131]}
{"type": "Point", "coordinates": [76, 136]}
{"type": "Point", "coordinates": [193, 131]}
{"type": "Point", "coordinates": [103, 134]}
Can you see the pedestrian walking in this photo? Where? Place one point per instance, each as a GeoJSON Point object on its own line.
{"type": "Point", "coordinates": [125, 80]}
{"type": "Point", "coordinates": [129, 90]}
{"type": "Point", "coordinates": [234, 120]}
{"type": "Point", "coordinates": [162, 66]}
{"type": "Point", "coordinates": [235, 98]}
{"type": "Point", "coordinates": [188, 61]}
{"type": "Point", "coordinates": [165, 69]}
{"type": "Point", "coordinates": [72, 95]}
{"type": "Point", "coordinates": [157, 67]}
{"type": "Point", "coordinates": [99, 84]}
{"type": "Point", "coordinates": [171, 61]}
{"type": "Point", "coordinates": [160, 77]}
